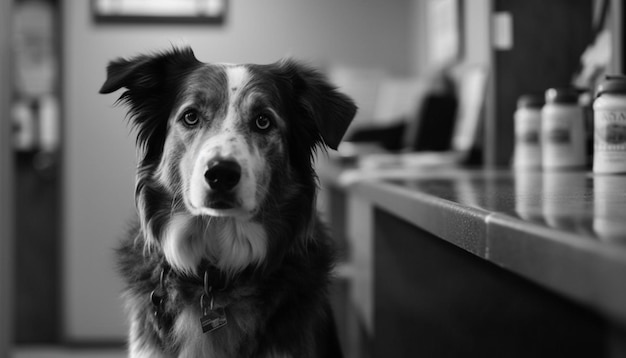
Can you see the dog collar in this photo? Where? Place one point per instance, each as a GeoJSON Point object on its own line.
{"type": "Point", "coordinates": [208, 275]}
{"type": "Point", "coordinates": [213, 280]}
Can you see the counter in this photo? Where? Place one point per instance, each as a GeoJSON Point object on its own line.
{"type": "Point", "coordinates": [449, 262]}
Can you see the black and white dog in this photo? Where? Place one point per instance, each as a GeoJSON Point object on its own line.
{"type": "Point", "coordinates": [228, 257]}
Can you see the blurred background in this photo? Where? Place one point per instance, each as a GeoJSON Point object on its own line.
{"type": "Point", "coordinates": [67, 159]}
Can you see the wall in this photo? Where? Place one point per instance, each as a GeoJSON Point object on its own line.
{"type": "Point", "coordinates": [476, 36]}
{"type": "Point", "coordinates": [549, 38]}
{"type": "Point", "coordinates": [99, 153]}
{"type": "Point", "coordinates": [618, 30]}
{"type": "Point", "coordinates": [419, 38]}
{"type": "Point", "coordinates": [475, 26]}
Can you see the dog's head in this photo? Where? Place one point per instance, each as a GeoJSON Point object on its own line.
{"type": "Point", "coordinates": [226, 148]}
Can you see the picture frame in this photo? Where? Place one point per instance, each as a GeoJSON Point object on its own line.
{"type": "Point", "coordinates": [160, 11]}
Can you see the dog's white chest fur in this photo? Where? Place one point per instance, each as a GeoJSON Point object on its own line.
{"type": "Point", "coordinates": [230, 243]}
{"type": "Point", "coordinates": [193, 342]}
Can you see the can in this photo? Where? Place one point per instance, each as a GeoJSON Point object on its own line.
{"type": "Point", "coordinates": [527, 118]}
{"type": "Point", "coordinates": [609, 126]}
{"type": "Point", "coordinates": [562, 130]}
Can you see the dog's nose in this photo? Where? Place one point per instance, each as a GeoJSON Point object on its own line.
{"type": "Point", "coordinates": [223, 175]}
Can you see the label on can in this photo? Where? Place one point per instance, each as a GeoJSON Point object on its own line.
{"type": "Point", "coordinates": [610, 130]}
{"type": "Point", "coordinates": [559, 130]}
{"type": "Point", "coordinates": [529, 137]}
{"type": "Point", "coordinates": [559, 136]}
{"type": "Point", "coordinates": [527, 151]}
{"type": "Point", "coordinates": [609, 143]}
{"type": "Point", "coordinates": [563, 137]}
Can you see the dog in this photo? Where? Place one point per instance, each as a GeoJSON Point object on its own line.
{"type": "Point", "coordinates": [228, 256]}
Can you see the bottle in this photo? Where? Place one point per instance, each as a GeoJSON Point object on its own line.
{"type": "Point", "coordinates": [25, 126]}
{"type": "Point", "coordinates": [562, 130]}
{"type": "Point", "coordinates": [609, 140]}
{"type": "Point", "coordinates": [527, 117]}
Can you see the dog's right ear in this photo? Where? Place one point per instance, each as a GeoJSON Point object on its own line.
{"type": "Point", "coordinates": [152, 83]}
{"type": "Point", "coordinates": [146, 71]}
{"type": "Point", "coordinates": [122, 73]}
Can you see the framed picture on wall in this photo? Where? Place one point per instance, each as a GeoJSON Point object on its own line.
{"type": "Point", "coordinates": [159, 11]}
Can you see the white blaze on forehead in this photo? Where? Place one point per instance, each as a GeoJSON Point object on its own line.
{"type": "Point", "coordinates": [227, 142]}
{"type": "Point", "coordinates": [237, 78]}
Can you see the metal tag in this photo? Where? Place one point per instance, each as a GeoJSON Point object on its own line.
{"type": "Point", "coordinates": [213, 319]}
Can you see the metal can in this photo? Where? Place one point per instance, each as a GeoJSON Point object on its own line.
{"type": "Point", "coordinates": [562, 130]}
{"type": "Point", "coordinates": [609, 126]}
{"type": "Point", "coordinates": [527, 117]}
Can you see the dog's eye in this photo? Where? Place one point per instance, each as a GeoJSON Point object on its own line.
{"type": "Point", "coordinates": [263, 122]}
{"type": "Point", "coordinates": [191, 118]}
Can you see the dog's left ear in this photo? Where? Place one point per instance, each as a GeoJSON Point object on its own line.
{"type": "Point", "coordinates": [331, 110]}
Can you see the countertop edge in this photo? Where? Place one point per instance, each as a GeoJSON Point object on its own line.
{"type": "Point", "coordinates": [579, 268]}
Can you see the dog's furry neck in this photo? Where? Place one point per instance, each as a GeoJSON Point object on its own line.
{"type": "Point", "coordinates": [227, 243]}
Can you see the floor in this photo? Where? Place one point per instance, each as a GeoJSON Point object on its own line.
{"type": "Point", "coordinates": [55, 352]}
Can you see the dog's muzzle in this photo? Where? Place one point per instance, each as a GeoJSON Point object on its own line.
{"type": "Point", "coordinates": [223, 180]}
{"type": "Point", "coordinates": [222, 177]}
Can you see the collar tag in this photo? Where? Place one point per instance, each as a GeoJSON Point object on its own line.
{"type": "Point", "coordinates": [212, 318]}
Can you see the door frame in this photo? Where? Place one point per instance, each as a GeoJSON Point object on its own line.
{"type": "Point", "coordinates": [6, 184]}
